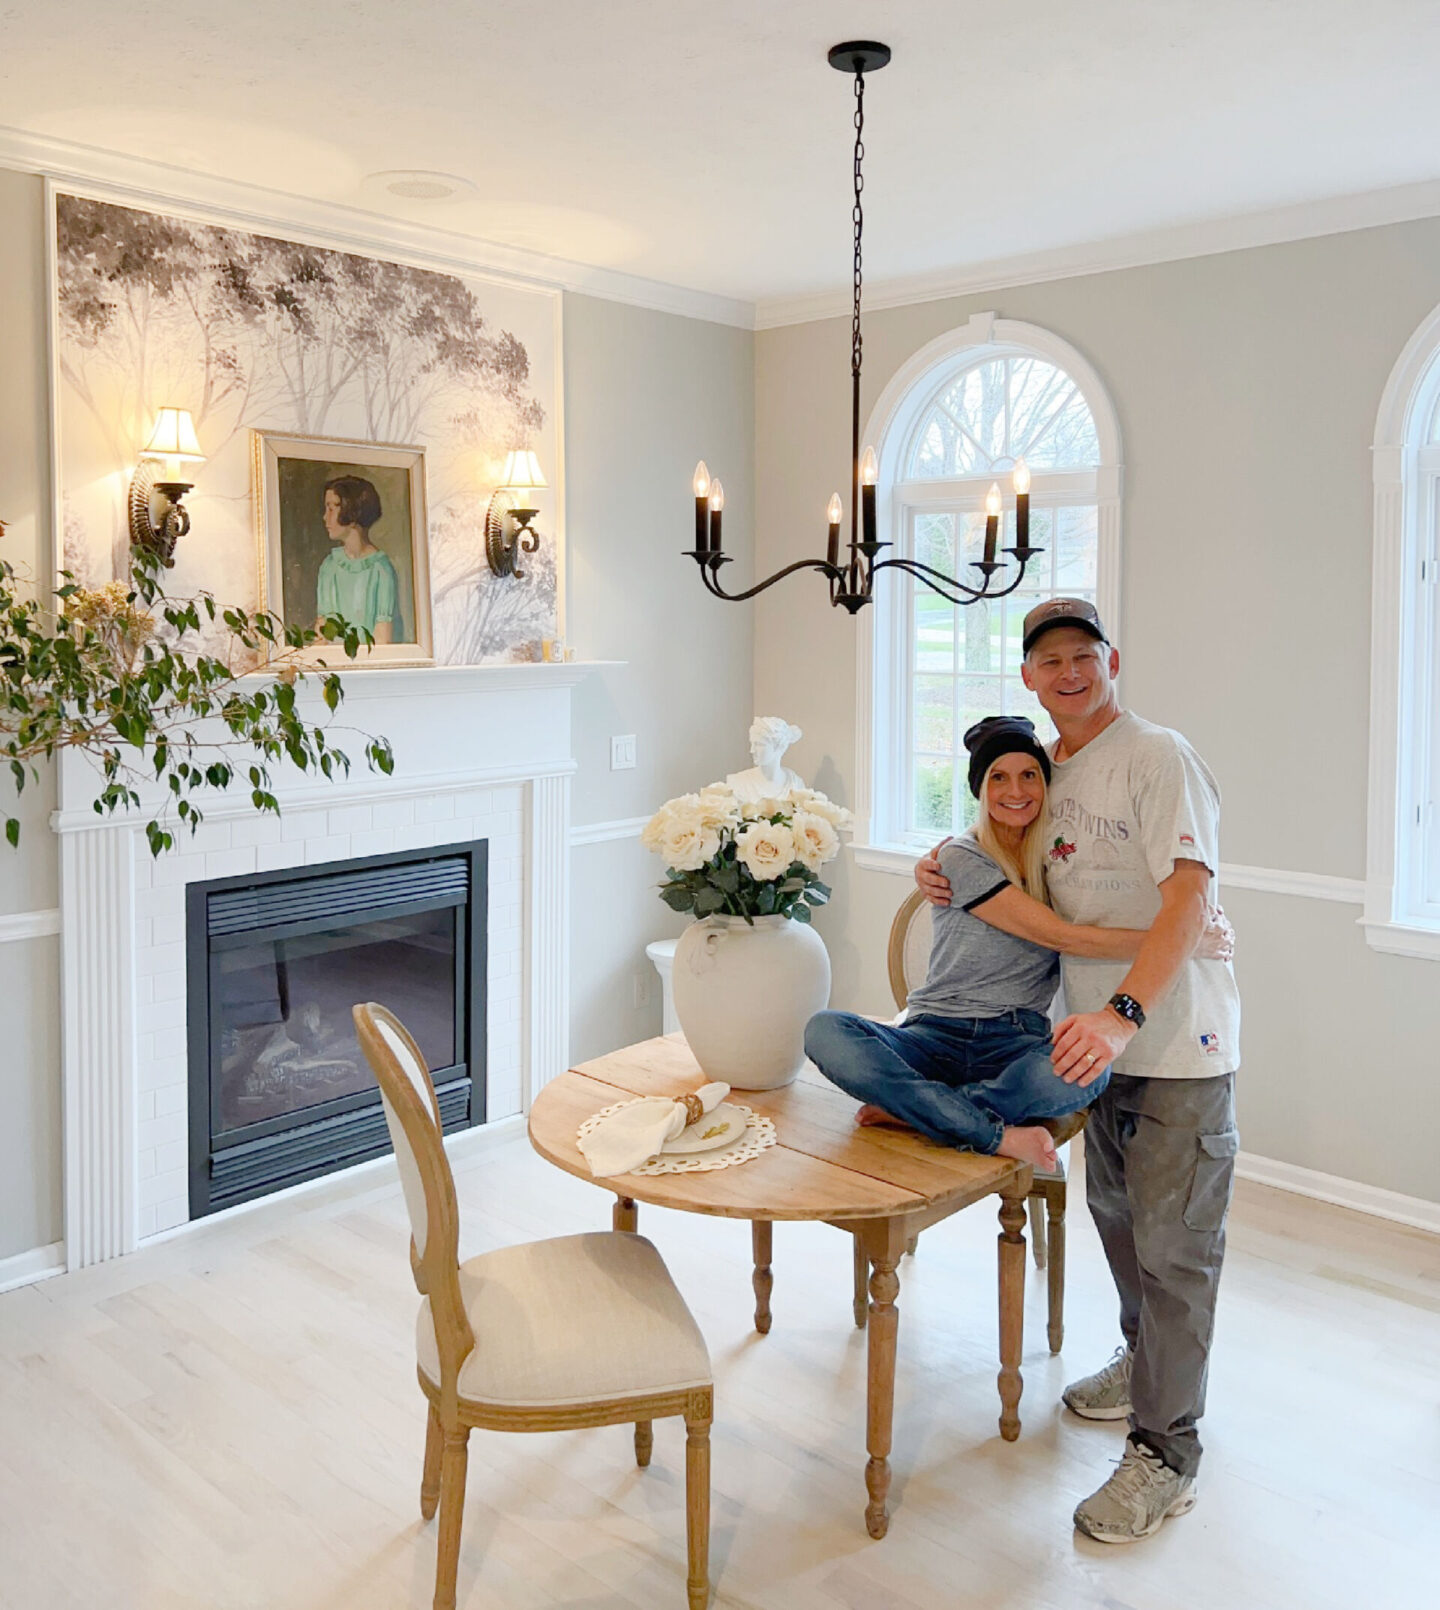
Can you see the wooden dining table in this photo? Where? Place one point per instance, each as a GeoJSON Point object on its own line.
{"type": "Point", "coordinates": [882, 1185]}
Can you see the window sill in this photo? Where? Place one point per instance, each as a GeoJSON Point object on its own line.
{"type": "Point", "coordinates": [1403, 938]}
{"type": "Point", "coordinates": [897, 859]}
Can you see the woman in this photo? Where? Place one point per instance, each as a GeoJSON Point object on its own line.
{"type": "Point", "coordinates": [356, 581]}
{"type": "Point", "coordinates": [970, 1065]}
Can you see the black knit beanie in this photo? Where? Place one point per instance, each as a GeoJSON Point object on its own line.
{"type": "Point", "coordinates": [987, 740]}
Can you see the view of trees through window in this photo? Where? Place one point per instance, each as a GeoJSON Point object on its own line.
{"type": "Point", "coordinates": [965, 661]}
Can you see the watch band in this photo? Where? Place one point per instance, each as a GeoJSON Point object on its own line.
{"type": "Point", "coordinates": [1128, 1007]}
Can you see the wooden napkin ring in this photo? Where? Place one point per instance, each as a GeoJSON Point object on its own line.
{"type": "Point", "coordinates": [694, 1109]}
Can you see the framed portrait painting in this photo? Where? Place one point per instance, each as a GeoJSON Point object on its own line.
{"type": "Point", "coordinates": [343, 531]}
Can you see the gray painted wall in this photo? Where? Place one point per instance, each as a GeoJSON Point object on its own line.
{"type": "Point", "coordinates": [1246, 386]}
{"type": "Point", "coordinates": [646, 395]}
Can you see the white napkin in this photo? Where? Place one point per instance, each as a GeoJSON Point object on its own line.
{"type": "Point", "coordinates": [631, 1136]}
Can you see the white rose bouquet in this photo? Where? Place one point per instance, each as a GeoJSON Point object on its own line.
{"type": "Point", "coordinates": [746, 858]}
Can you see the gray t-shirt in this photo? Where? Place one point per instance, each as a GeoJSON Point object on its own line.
{"type": "Point", "coordinates": [976, 970]}
{"type": "Point", "coordinates": [1123, 811]}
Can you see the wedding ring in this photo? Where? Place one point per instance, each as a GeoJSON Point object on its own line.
{"type": "Point", "coordinates": [1090, 1057]}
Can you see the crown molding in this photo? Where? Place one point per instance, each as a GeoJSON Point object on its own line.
{"type": "Point", "coordinates": [160, 185]}
{"type": "Point", "coordinates": [1208, 238]}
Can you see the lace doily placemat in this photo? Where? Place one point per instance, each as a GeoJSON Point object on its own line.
{"type": "Point", "coordinates": [758, 1136]}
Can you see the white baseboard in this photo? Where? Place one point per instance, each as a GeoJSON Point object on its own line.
{"type": "Point", "coordinates": [1371, 1199]}
{"type": "Point", "coordinates": [25, 1268]}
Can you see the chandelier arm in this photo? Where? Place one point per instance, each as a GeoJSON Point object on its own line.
{"type": "Point", "coordinates": [834, 572]}
{"type": "Point", "coordinates": [938, 582]}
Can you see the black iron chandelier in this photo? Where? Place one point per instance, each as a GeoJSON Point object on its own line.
{"type": "Point", "coordinates": [852, 579]}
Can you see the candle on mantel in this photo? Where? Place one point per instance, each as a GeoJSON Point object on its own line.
{"type": "Point", "coordinates": [869, 474]}
{"type": "Point", "coordinates": [833, 511]}
{"type": "Point", "coordinates": [717, 508]}
{"type": "Point", "coordinates": [992, 521]}
{"type": "Point", "coordinates": [1022, 503]}
{"type": "Point", "coordinates": [702, 507]}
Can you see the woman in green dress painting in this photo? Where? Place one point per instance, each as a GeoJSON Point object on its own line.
{"type": "Point", "coordinates": [356, 580]}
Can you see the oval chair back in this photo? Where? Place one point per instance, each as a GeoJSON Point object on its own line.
{"type": "Point", "coordinates": [412, 1115]}
{"type": "Point", "coordinates": [909, 953]}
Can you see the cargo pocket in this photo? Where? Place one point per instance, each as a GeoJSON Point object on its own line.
{"type": "Point", "coordinates": [1214, 1180]}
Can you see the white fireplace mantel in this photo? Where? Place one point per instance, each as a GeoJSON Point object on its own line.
{"type": "Point", "coordinates": [480, 752]}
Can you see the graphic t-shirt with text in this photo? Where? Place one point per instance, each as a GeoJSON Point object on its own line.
{"type": "Point", "coordinates": [1123, 811]}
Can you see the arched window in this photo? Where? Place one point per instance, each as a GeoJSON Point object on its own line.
{"type": "Point", "coordinates": [953, 421]}
{"type": "Point", "coordinates": [1402, 886]}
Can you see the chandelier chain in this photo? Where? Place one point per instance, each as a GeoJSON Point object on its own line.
{"type": "Point", "coordinates": [858, 217]}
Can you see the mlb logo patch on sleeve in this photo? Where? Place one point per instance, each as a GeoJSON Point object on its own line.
{"type": "Point", "coordinates": [1186, 839]}
{"type": "Point", "coordinates": [1210, 1044]}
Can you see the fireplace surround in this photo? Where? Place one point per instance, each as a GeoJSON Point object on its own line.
{"type": "Point", "coordinates": [482, 752]}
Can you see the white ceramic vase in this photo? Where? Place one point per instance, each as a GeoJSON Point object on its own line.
{"type": "Point", "coordinates": [744, 993]}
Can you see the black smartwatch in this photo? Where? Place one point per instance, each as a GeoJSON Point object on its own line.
{"type": "Point", "coordinates": [1128, 1008]}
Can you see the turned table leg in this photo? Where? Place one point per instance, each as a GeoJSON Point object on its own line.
{"type": "Point", "coordinates": [862, 1279]}
{"type": "Point", "coordinates": [763, 1280]}
{"type": "Point", "coordinates": [1012, 1310]}
{"type": "Point", "coordinates": [625, 1215]}
{"type": "Point", "coordinates": [884, 1321]}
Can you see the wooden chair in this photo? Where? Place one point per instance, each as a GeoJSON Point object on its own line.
{"type": "Point", "coordinates": [582, 1330]}
{"type": "Point", "coordinates": [909, 956]}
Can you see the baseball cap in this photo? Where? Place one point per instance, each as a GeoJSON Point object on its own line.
{"type": "Point", "coordinates": [1061, 612]}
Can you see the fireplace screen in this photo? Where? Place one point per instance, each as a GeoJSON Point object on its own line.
{"type": "Point", "coordinates": [280, 1090]}
{"type": "Point", "coordinates": [286, 1037]}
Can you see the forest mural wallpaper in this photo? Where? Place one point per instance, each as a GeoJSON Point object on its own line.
{"type": "Point", "coordinates": [254, 333]}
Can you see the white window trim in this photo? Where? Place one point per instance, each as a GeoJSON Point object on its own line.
{"type": "Point", "coordinates": [1396, 594]}
{"type": "Point", "coordinates": [890, 428]}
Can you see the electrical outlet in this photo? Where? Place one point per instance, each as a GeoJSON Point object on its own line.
{"type": "Point", "coordinates": [640, 990]}
{"type": "Point", "coordinates": [622, 752]}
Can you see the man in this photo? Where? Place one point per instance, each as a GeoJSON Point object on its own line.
{"type": "Point", "coordinates": [1133, 843]}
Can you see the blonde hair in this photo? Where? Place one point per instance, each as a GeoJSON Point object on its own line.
{"type": "Point", "coordinates": [1027, 869]}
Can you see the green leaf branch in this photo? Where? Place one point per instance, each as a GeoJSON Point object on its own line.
{"type": "Point", "coordinates": [120, 673]}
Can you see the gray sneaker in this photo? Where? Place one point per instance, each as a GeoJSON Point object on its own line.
{"type": "Point", "coordinates": [1106, 1394]}
{"type": "Point", "coordinates": [1138, 1499]}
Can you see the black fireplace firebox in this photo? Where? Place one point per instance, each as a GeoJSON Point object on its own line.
{"type": "Point", "coordinates": [280, 1091]}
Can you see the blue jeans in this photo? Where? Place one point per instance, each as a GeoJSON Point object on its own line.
{"type": "Point", "coordinates": [960, 1080]}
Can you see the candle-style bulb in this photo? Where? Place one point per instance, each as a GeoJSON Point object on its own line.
{"type": "Point", "coordinates": [702, 480]}
{"type": "Point", "coordinates": [992, 499]}
{"type": "Point", "coordinates": [1021, 478]}
{"type": "Point", "coordinates": [833, 509]}
{"type": "Point", "coordinates": [869, 469]}
{"type": "Point", "coordinates": [717, 496]}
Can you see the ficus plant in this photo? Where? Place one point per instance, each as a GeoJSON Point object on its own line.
{"type": "Point", "coordinates": [127, 675]}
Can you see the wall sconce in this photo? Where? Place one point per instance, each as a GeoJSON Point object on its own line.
{"type": "Point", "coordinates": [173, 441]}
{"type": "Point", "coordinates": [507, 519]}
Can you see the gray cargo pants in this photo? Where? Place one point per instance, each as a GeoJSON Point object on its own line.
{"type": "Point", "coordinates": [1159, 1169]}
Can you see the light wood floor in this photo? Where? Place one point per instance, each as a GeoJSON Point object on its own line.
{"type": "Point", "coordinates": [231, 1420]}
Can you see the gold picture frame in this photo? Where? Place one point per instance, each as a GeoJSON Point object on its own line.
{"type": "Point", "coordinates": [341, 528]}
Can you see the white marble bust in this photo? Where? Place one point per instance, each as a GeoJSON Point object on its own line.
{"type": "Point", "coordinates": [770, 737]}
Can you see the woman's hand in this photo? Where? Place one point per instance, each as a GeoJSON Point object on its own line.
{"type": "Point", "coordinates": [1217, 943]}
{"type": "Point", "coordinates": [932, 882]}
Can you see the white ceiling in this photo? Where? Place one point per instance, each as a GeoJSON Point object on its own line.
{"type": "Point", "coordinates": [706, 143]}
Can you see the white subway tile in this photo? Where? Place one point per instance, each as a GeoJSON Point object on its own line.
{"type": "Point", "coordinates": [379, 841]}
{"type": "Point", "coordinates": [348, 819]}
{"type": "Point", "coordinates": [393, 812]}
{"type": "Point", "coordinates": [229, 863]}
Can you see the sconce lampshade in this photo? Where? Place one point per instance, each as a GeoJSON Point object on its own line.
{"type": "Point", "coordinates": [174, 437]}
{"type": "Point", "coordinates": [522, 472]}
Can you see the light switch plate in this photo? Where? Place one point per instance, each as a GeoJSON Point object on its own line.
{"type": "Point", "coordinates": [622, 752]}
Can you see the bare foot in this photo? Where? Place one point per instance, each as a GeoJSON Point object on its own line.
{"type": "Point", "coordinates": [871, 1115]}
{"type": "Point", "coordinates": [1029, 1144]}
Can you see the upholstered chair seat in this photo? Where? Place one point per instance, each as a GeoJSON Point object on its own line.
{"type": "Point", "coordinates": [568, 1321]}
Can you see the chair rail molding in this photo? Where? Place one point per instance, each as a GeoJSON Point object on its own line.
{"type": "Point", "coordinates": [622, 827]}
{"type": "Point", "coordinates": [28, 925]}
